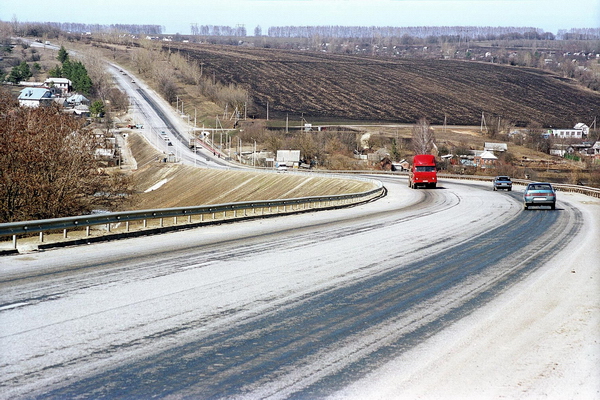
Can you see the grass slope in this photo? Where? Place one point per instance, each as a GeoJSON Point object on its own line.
{"type": "Point", "coordinates": [189, 186]}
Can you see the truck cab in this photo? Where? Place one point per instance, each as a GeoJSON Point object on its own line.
{"type": "Point", "coordinates": [423, 172]}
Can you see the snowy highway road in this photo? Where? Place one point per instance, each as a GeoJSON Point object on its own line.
{"type": "Point", "coordinates": [290, 307]}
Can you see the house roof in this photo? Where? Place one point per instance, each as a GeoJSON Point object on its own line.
{"type": "Point", "coordinates": [58, 80]}
{"type": "Point", "coordinates": [496, 146]}
{"type": "Point", "coordinates": [34, 94]}
{"type": "Point", "coordinates": [488, 155]}
{"type": "Point", "coordinates": [77, 98]}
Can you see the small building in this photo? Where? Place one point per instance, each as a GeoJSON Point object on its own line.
{"type": "Point", "coordinates": [35, 97]}
{"type": "Point", "coordinates": [579, 131]}
{"type": "Point", "coordinates": [486, 159]}
{"type": "Point", "coordinates": [77, 99]}
{"type": "Point", "coordinates": [61, 84]}
{"type": "Point", "coordinates": [583, 148]}
{"type": "Point", "coordinates": [288, 158]}
{"type": "Point", "coordinates": [559, 149]}
{"type": "Point", "coordinates": [501, 147]}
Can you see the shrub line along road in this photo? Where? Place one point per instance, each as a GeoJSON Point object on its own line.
{"type": "Point", "coordinates": [297, 307]}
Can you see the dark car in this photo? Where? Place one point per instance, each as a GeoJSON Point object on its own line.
{"type": "Point", "coordinates": [502, 182]}
{"type": "Point", "coordinates": [539, 194]}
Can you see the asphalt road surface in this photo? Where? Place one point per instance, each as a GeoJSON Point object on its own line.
{"type": "Point", "coordinates": [292, 307]}
{"type": "Point", "coordinates": [157, 117]}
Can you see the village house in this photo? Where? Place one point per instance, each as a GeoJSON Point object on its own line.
{"type": "Point", "coordinates": [35, 97]}
{"type": "Point", "coordinates": [61, 85]}
{"type": "Point", "coordinates": [596, 149]}
{"type": "Point", "coordinates": [485, 159]}
{"type": "Point", "coordinates": [579, 131]}
{"type": "Point", "coordinates": [501, 147]}
{"type": "Point", "coordinates": [77, 100]}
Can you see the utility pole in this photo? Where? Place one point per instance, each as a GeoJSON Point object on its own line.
{"type": "Point", "coordinates": [444, 123]}
{"type": "Point", "coordinates": [483, 122]}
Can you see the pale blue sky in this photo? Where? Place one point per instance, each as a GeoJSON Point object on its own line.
{"type": "Point", "coordinates": [177, 15]}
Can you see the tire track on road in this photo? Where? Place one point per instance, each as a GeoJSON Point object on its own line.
{"type": "Point", "coordinates": [302, 349]}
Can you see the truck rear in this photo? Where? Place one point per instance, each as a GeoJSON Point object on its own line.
{"type": "Point", "coordinates": [423, 171]}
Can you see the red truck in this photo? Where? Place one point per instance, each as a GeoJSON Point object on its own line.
{"type": "Point", "coordinates": [423, 171]}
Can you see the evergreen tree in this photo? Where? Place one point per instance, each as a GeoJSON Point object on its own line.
{"type": "Point", "coordinates": [97, 108]}
{"type": "Point", "coordinates": [76, 72]}
{"type": "Point", "coordinates": [80, 78]}
{"type": "Point", "coordinates": [20, 73]}
{"type": "Point", "coordinates": [55, 72]}
{"type": "Point", "coordinates": [62, 55]}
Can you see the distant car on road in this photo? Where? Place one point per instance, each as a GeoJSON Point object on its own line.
{"type": "Point", "coordinates": [502, 182]}
{"type": "Point", "coordinates": [539, 194]}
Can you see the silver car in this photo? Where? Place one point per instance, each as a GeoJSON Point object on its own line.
{"type": "Point", "coordinates": [539, 194]}
{"type": "Point", "coordinates": [502, 182]}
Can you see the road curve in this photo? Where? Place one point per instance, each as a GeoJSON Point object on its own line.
{"type": "Point", "coordinates": [293, 307]}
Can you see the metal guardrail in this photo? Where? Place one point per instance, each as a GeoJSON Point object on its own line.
{"type": "Point", "coordinates": [226, 211]}
{"type": "Point", "coordinates": [561, 187]}
{"type": "Point", "coordinates": [585, 190]}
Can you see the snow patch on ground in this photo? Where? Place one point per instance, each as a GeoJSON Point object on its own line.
{"type": "Point", "coordinates": [156, 185]}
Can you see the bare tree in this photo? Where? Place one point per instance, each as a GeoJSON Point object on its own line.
{"type": "Point", "coordinates": [47, 164]}
{"type": "Point", "coordinates": [422, 137]}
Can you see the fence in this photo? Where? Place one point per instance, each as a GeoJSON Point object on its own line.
{"type": "Point", "coordinates": [182, 217]}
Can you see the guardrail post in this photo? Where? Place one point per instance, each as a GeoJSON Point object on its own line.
{"type": "Point", "coordinates": [64, 233]}
{"type": "Point", "coordinates": [87, 230]}
{"type": "Point", "coordinates": [42, 237]}
{"type": "Point", "coordinates": [108, 227]}
{"type": "Point", "coordinates": [190, 219]}
{"type": "Point", "coordinates": [14, 240]}
{"type": "Point", "coordinates": [127, 226]}
{"type": "Point", "coordinates": [145, 223]}
{"type": "Point", "coordinates": [175, 220]}
{"type": "Point", "coordinates": [161, 223]}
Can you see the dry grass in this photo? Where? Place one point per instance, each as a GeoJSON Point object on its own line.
{"type": "Point", "coordinates": [188, 186]}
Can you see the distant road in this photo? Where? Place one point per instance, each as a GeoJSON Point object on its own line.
{"type": "Point", "coordinates": [156, 116]}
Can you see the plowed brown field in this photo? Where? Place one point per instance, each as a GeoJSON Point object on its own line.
{"type": "Point", "coordinates": [357, 88]}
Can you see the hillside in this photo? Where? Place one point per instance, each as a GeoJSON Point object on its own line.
{"type": "Point", "coordinates": [179, 185]}
{"type": "Point", "coordinates": [321, 86]}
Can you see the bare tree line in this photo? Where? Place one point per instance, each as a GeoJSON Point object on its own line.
{"type": "Point", "coordinates": [166, 68]}
{"type": "Point", "coordinates": [472, 32]}
{"type": "Point", "coordinates": [54, 29]}
{"type": "Point", "coordinates": [134, 29]}
{"type": "Point", "coordinates": [217, 30]}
